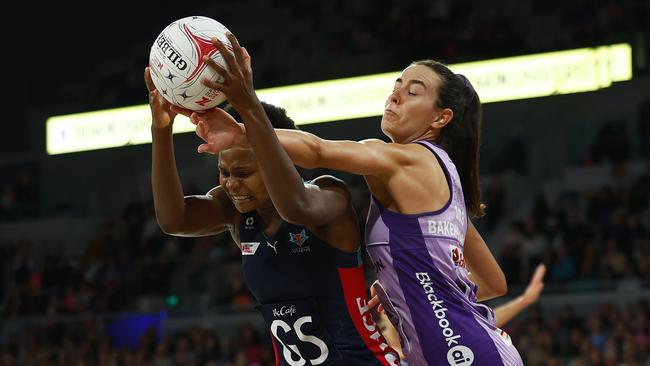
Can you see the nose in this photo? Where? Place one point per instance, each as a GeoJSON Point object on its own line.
{"type": "Point", "coordinates": [231, 184]}
{"type": "Point", "coordinates": [393, 97]}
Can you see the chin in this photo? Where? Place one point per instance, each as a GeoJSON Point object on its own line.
{"type": "Point", "coordinates": [388, 134]}
{"type": "Point", "coordinates": [245, 208]}
{"type": "Point", "coordinates": [386, 130]}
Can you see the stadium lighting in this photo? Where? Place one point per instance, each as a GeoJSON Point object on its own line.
{"type": "Point", "coordinates": [498, 80]}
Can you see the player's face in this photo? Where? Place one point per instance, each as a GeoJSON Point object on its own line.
{"type": "Point", "coordinates": [242, 181]}
{"type": "Point", "coordinates": [411, 107]}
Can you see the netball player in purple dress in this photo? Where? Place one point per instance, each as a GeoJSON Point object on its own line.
{"type": "Point", "coordinates": [433, 267]}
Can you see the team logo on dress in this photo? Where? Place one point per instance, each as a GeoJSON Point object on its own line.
{"type": "Point", "coordinates": [249, 248]}
{"type": "Point", "coordinates": [284, 310]}
{"type": "Point", "coordinates": [273, 246]}
{"type": "Point", "coordinates": [249, 223]}
{"type": "Point", "coordinates": [299, 239]}
{"type": "Point", "coordinates": [505, 336]}
{"type": "Point", "coordinates": [457, 257]}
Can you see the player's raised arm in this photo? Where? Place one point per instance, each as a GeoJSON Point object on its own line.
{"type": "Point", "coordinates": [176, 214]}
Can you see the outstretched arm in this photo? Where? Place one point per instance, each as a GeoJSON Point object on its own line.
{"type": "Point", "coordinates": [509, 310]}
{"type": "Point", "coordinates": [484, 269]}
{"type": "Point", "coordinates": [366, 157]}
{"type": "Point", "coordinates": [177, 215]}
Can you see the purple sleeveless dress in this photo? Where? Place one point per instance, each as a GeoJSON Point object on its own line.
{"type": "Point", "coordinates": [424, 286]}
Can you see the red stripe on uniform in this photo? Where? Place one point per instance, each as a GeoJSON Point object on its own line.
{"type": "Point", "coordinates": [354, 291]}
{"type": "Point", "coordinates": [275, 349]}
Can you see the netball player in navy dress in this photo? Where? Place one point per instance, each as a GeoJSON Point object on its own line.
{"type": "Point", "coordinates": [300, 257]}
{"type": "Point", "coordinates": [433, 267]}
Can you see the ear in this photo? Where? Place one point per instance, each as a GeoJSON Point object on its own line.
{"type": "Point", "coordinates": [442, 119]}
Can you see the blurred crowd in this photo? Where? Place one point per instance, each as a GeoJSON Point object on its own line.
{"type": "Point", "coordinates": [597, 234]}
{"type": "Point", "coordinates": [85, 343]}
{"type": "Point", "coordinates": [127, 257]}
{"type": "Point", "coordinates": [609, 336]}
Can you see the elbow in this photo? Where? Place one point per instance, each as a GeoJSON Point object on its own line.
{"type": "Point", "coordinates": [493, 288]}
{"type": "Point", "coordinates": [167, 229]}
{"type": "Point", "coordinates": [500, 288]}
{"type": "Point", "coordinates": [491, 291]}
{"type": "Point", "coordinates": [167, 226]}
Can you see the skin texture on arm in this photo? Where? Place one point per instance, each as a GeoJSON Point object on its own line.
{"type": "Point", "coordinates": [484, 270]}
{"type": "Point", "coordinates": [366, 157]}
{"type": "Point", "coordinates": [509, 310]}
{"type": "Point", "coordinates": [178, 215]}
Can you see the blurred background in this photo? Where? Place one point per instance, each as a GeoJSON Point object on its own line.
{"type": "Point", "coordinates": [87, 277]}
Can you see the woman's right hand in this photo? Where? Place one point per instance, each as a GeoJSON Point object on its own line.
{"type": "Point", "coordinates": [161, 114]}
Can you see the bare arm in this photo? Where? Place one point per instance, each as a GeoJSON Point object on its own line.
{"type": "Point", "coordinates": [509, 310]}
{"type": "Point", "coordinates": [366, 157]}
{"type": "Point", "coordinates": [484, 269]}
{"type": "Point", "coordinates": [176, 214]}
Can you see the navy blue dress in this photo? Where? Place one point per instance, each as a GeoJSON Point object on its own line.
{"type": "Point", "coordinates": [312, 297]}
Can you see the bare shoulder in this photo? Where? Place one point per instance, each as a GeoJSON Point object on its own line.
{"type": "Point", "coordinates": [331, 182]}
{"type": "Point", "coordinates": [328, 180]}
{"type": "Point", "coordinates": [402, 154]}
{"type": "Point", "coordinates": [374, 142]}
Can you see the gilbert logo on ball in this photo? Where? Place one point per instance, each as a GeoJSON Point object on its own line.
{"type": "Point", "coordinates": [176, 62]}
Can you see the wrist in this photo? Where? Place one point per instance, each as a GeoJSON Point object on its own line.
{"type": "Point", "coordinates": [157, 129]}
{"type": "Point", "coordinates": [240, 141]}
{"type": "Point", "coordinates": [252, 112]}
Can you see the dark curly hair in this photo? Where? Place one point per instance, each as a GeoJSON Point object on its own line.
{"type": "Point", "coordinates": [277, 116]}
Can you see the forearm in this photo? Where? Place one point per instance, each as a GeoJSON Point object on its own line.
{"type": "Point", "coordinates": [366, 157]}
{"type": "Point", "coordinates": [165, 183]}
{"type": "Point", "coordinates": [284, 184]}
{"type": "Point", "coordinates": [302, 147]}
{"type": "Point", "coordinates": [509, 310]}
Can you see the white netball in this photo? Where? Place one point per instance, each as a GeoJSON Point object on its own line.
{"type": "Point", "coordinates": [176, 62]}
